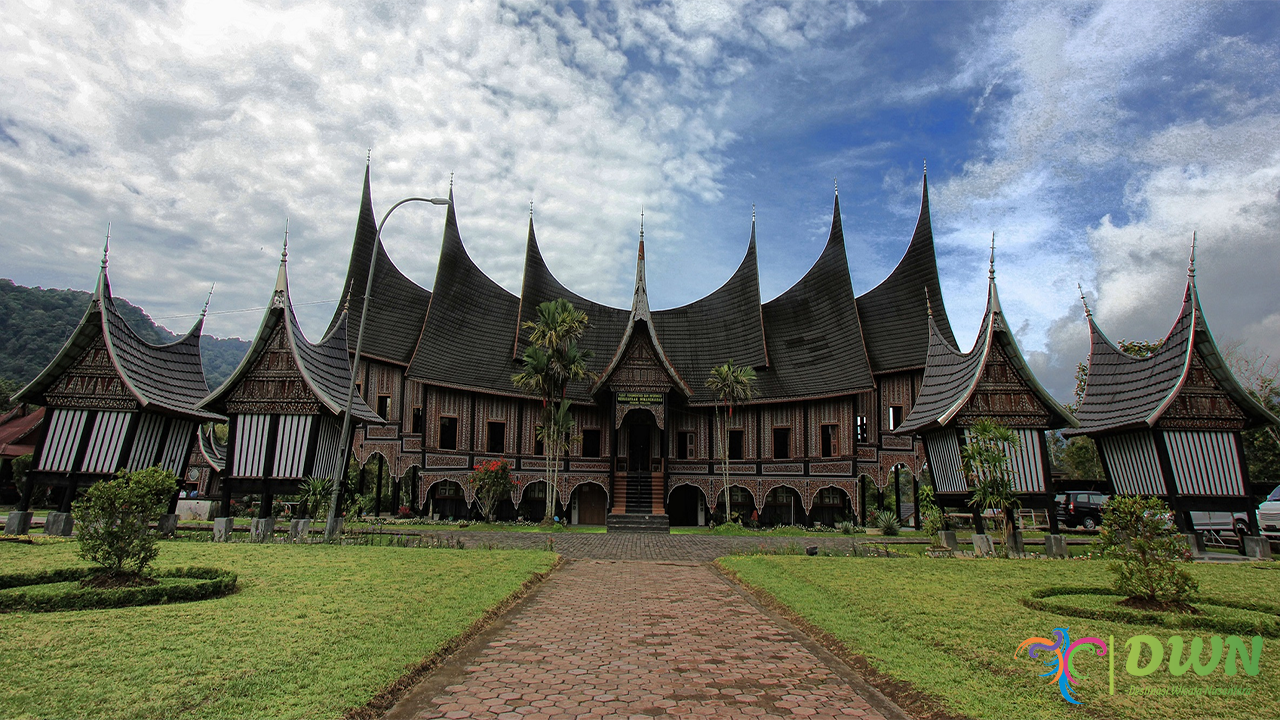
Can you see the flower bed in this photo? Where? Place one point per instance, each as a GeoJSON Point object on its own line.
{"type": "Point", "coordinates": [60, 590]}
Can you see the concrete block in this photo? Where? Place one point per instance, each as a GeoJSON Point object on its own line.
{"type": "Point", "coordinates": [1055, 546]}
{"type": "Point", "coordinates": [263, 530]}
{"type": "Point", "coordinates": [982, 545]}
{"type": "Point", "coordinates": [1195, 541]}
{"type": "Point", "coordinates": [167, 524]}
{"type": "Point", "coordinates": [299, 530]}
{"type": "Point", "coordinates": [58, 523]}
{"type": "Point", "coordinates": [333, 530]}
{"type": "Point", "coordinates": [18, 523]}
{"type": "Point", "coordinates": [1015, 543]}
{"type": "Point", "coordinates": [1258, 547]}
{"type": "Point", "coordinates": [947, 538]}
{"type": "Point", "coordinates": [222, 528]}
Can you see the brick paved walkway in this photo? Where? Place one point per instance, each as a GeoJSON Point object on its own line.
{"type": "Point", "coordinates": [603, 639]}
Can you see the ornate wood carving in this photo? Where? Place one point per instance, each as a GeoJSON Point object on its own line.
{"type": "Point", "coordinates": [1202, 404]}
{"type": "Point", "coordinates": [274, 384]}
{"type": "Point", "coordinates": [831, 468]}
{"type": "Point", "coordinates": [1003, 395]}
{"type": "Point", "coordinates": [92, 383]}
{"type": "Point", "coordinates": [640, 372]}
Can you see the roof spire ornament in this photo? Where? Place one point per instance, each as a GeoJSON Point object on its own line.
{"type": "Point", "coordinates": [450, 181]}
{"type": "Point", "coordinates": [1191, 264]}
{"type": "Point", "coordinates": [924, 166]}
{"type": "Point", "coordinates": [530, 208]}
{"type": "Point", "coordinates": [928, 303]}
{"type": "Point", "coordinates": [368, 156]}
{"type": "Point", "coordinates": [1085, 301]}
{"type": "Point", "coordinates": [106, 247]}
{"type": "Point", "coordinates": [835, 182]}
{"type": "Point", "coordinates": [284, 254]}
{"type": "Point", "coordinates": [991, 271]}
{"type": "Point", "coordinates": [208, 298]}
{"type": "Point", "coordinates": [753, 213]}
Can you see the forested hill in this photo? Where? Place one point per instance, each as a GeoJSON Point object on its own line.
{"type": "Point", "coordinates": [35, 322]}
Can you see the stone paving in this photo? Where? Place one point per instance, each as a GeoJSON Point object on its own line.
{"type": "Point", "coordinates": [608, 639]}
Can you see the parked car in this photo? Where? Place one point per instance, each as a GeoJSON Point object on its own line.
{"type": "Point", "coordinates": [1222, 522]}
{"type": "Point", "coordinates": [1269, 515]}
{"type": "Point", "coordinates": [1081, 508]}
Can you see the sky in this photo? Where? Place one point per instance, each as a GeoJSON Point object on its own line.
{"type": "Point", "coordinates": [1092, 139]}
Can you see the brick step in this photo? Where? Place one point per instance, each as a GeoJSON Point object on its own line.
{"type": "Point", "coordinates": [635, 523]}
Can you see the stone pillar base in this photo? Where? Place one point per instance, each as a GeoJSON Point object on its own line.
{"type": "Point", "coordinates": [1055, 546]}
{"type": "Point", "coordinates": [1256, 546]}
{"type": "Point", "coordinates": [58, 523]}
{"type": "Point", "coordinates": [333, 530]}
{"type": "Point", "coordinates": [947, 538]}
{"type": "Point", "coordinates": [222, 529]}
{"type": "Point", "coordinates": [18, 523]}
{"type": "Point", "coordinates": [982, 545]}
{"type": "Point", "coordinates": [263, 530]}
{"type": "Point", "coordinates": [167, 524]}
{"type": "Point", "coordinates": [1015, 544]}
{"type": "Point", "coordinates": [1195, 541]}
{"type": "Point", "coordinates": [299, 530]}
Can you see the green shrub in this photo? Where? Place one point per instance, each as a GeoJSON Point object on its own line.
{"type": "Point", "coordinates": [115, 515]}
{"type": "Point", "coordinates": [1139, 539]}
{"type": "Point", "coordinates": [932, 519]}
{"type": "Point", "coordinates": [888, 522]}
{"type": "Point", "coordinates": [211, 583]}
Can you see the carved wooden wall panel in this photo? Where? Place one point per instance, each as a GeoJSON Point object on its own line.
{"type": "Point", "coordinates": [1202, 404]}
{"type": "Point", "coordinates": [274, 384]}
{"type": "Point", "coordinates": [1003, 395]}
{"type": "Point", "coordinates": [92, 383]}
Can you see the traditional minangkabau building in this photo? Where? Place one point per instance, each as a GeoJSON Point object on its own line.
{"type": "Point", "coordinates": [1169, 424]}
{"type": "Point", "coordinates": [836, 374]}
{"type": "Point", "coordinates": [113, 402]}
{"type": "Point", "coordinates": [992, 381]}
{"type": "Point", "coordinates": [284, 405]}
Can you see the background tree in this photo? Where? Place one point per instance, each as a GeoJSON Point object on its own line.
{"type": "Point", "coordinates": [113, 522]}
{"type": "Point", "coordinates": [985, 460]}
{"type": "Point", "coordinates": [491, 482]}
{"type": "Point", "coordinates": [552, 361]}
{"type": "Point", "coordinates": [1260, 376]}
{"type": "Point", "coordinates": [732, 385]}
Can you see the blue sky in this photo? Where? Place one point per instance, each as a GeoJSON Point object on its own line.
{"type": "Point", "coordinates": [1092, 138]}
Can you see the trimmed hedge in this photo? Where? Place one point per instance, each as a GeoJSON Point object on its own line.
{"type": "Point", "coordinates": [216, 583]}
{"type": "Point", "coordinates": [1039, 600]}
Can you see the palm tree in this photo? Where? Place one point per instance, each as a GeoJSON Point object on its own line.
{"type": "Point", "coordinates": [986, 465]}
{"type": "Point", "coordinates": [732, 385]}
{"type": "Point", "coordinates": [552, 361]}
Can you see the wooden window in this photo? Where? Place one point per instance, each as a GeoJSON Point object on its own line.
{"type": "Point", "coordinates": [735, 445]}
{"type": "Point", "coordinates": [384, 406]}
{"type": "Point", "coordinates": [895, 416]}
{"type": "Point", "coordinates": [538, 447]}
{"type": "Point", "coordinates": [448, 433]}
{"type": "Point", "coordinates": [591, 443]}
{"type": "Point", "coordinates": [448, 490]}
{"type": "Point", "coordinates": [738, 494]}
{"type": "Point", "coordinates": [416, 425]}
{"type": "Point", "coordinates": [782, 443]}
{"type": "Point", "coordinates": [497, 437]}
{"type": "Point", "coordinates": [864, 432]}
{"type": "Point", "coordinates": [830, 440]}
{"type": "Point", "coordinates": [830, 496]}
{"type": "Point", "coordinates": [684, 445]}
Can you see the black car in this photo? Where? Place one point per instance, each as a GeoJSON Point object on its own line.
{"type": "Point", "coordinates": [1081, 508]}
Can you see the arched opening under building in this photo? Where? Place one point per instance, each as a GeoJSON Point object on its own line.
{"type": "Point", "coordinates": [782, 506]}
{"type": "Point", "coordinates": [533, 503]}
{"type": "Point", "coordinates": [445, 501]}
{"type": "Point", "coordinates": [588, 505]}
{"type": "Point", "coordinates": [831, 506]}
{"type": "Point", "coordinates": [687, 506]}
{"type": "Point", "coordinates": [742, 506]}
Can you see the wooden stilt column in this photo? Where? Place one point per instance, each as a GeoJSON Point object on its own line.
{"type": "Point", "coordinates": [377, 501]}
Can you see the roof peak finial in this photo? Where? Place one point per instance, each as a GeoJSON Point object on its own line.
{"type": "Point", "coordinates": [835, 182]}
{"type": "Point", "coordinates": [991, 271]}
{"type": "Point", "coordinates": [368, 156]}
{"type": "Point", "coordinates": [284, 254]}
{"type": "Point", "coordinates": [924, 165]}
{"type": "Point", "coordinates": [642, 225]}
{"type": "Point", "coordinates": [1085, 301]}
{"type": "Point", "coordinates": [530, 208]}
{"type": "Point", "coordinates": [928, 302]}
{"type": "Point", "coordinates": [346, 301]}
{"type": "Point", "coordinates": [106, 246]}
{"type": "Point", "coordinates": [1191, 264]}
{"type": "Point", "coordinates": [753, 213]}
{"type": "Point", "coordinates": [208, 298]}
{"type": "Point", "coordinates": [450, 181]}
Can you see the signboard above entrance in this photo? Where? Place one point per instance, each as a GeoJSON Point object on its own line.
{"type": "Point", "coordinates": [639, 398]}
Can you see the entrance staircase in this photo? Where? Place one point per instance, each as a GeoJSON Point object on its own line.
{"type": "Point", "coordinates": [638, 503]}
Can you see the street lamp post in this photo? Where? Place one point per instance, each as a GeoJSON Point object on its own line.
{"type": "Point", "coordinates": [333, 527]}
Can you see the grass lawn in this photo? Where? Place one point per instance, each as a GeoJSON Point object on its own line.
{"type": "Point", "coordinates": [950, 627]}
{"type": "Point", "coordinates": [311, 631]}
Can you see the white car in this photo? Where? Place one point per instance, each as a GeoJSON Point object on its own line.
{"type": "Point", "coordinates": [1269, 515]}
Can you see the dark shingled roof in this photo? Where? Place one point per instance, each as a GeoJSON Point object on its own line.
{"type": "Point", "coordinates": [325, 366]}
{"type": "Point", "coordinates": [214, 452]}
{"type": "Point", "coordinates": [397, 305]}
{"type": "Point", "coordinates": [164, 378]}
{"type": "Point", "coordinates": [1124, 392]}
{"type": "Point", "coordinates": [607, 324]}
{"type": "Point", "coordinates": [725, 325]}
{"type": "Point", "coordinates": [814, 333]}
{"type": "Point", "coordinates": [895, 316]}
{"type": "Point", "coordinates": [951, 376]}
{"type": "Point", "coordinates": [466, 338]}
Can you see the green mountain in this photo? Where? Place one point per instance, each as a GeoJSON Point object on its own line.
{"type": "Point", "coordinates": [35, 322]}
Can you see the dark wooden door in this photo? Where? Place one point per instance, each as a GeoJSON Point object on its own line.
{"type": "Point", "coordinates": [593, 504]}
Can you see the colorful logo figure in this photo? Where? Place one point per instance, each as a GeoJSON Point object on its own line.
{"type": "Point", "coordinates": [1058, 654]}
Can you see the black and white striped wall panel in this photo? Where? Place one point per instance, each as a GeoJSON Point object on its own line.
{"type": "Point", "coordinates": [329, 449]}
{"type": "Point", "coordinates": [944, 461]}
{"type": "Point", "coordinates": [62, 440]}
{"type": "Point", "coordinates": [1205, 462]}
{"type": "Point", "coordinates": [250, 456]}
{"type": "Point", "coordinates": [1133, 464]}
{"type": "Point", "coordinates": [291, 445]}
